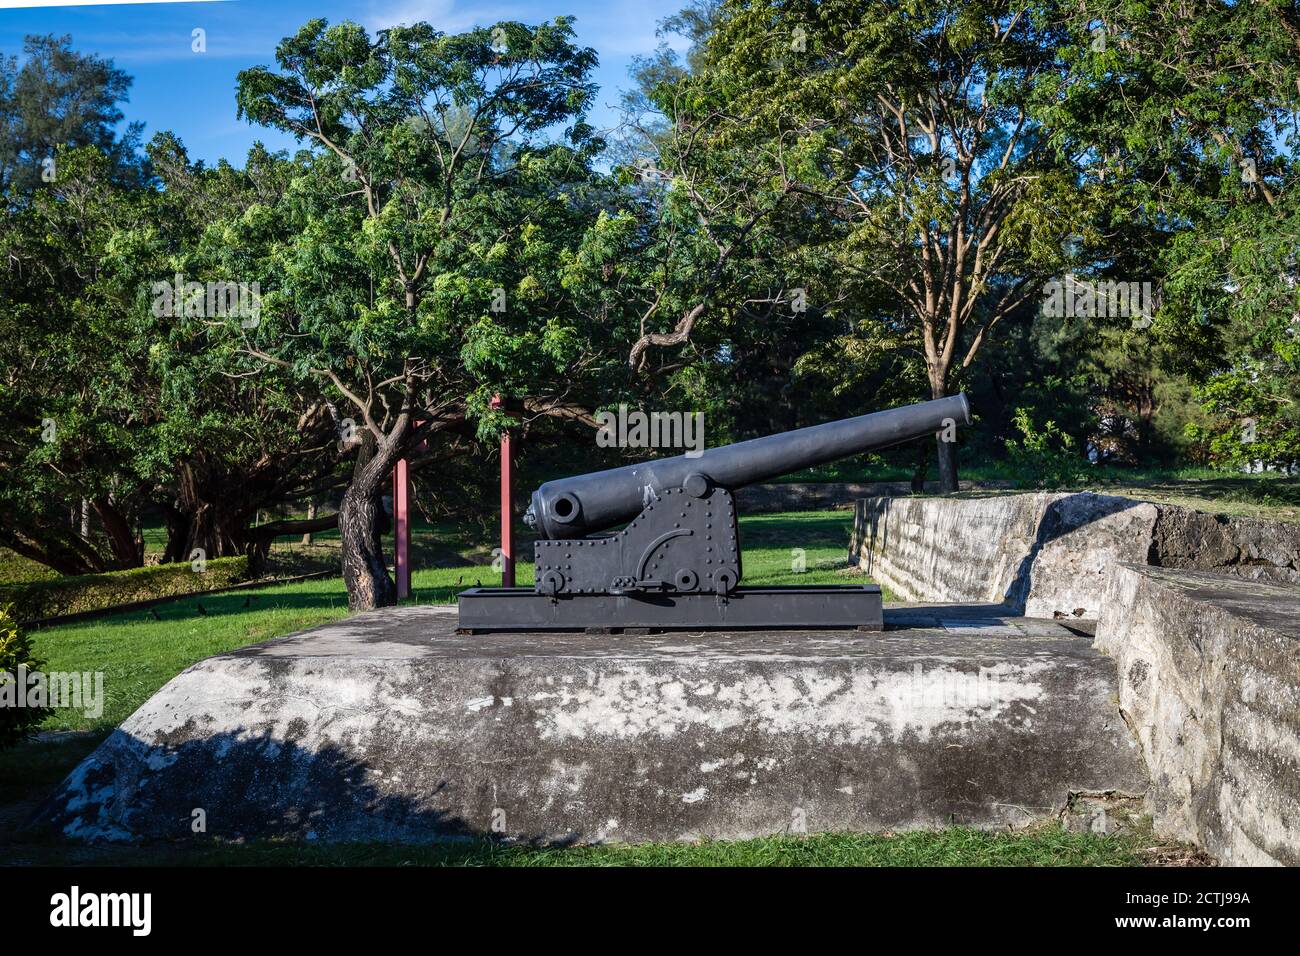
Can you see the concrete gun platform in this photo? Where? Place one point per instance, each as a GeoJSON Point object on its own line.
{"type": "Point", "coordinates": [391, 726]}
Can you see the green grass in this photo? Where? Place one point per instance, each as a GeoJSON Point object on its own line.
{"type": "Point", "coordinates": [868, 468]}
{"type": "Point", "coordinates": [1243, 496]}
{"type": "Point", "coordinates": [1268, 495]}
{"type": "Point", "coordinates": [769, 543]}
{"type": "Point", "coordinates": [1049, 845]}
{"type": "Point", "coordinates": [41, 763]}
{"type": "Point", "coordinates": [956, 846]}
{"type": "Point", "coordinates": [138, 653]}
{"type": "Point", "coordinates": [1216, 490]}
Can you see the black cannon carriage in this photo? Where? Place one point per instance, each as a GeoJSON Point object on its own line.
{"type": "Point", "coordinates": [677, 563]}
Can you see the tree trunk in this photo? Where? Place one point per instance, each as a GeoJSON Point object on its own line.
{"type": "Point", "coordinates": [203, 533]}
{"type": "Point", "coordinates": [207, 518]}
{"type": "Point", "coordinates": [947, 449]}
{"type": "Point", "coordinates": [311, 514]}
{"type": "Point", "coordinates": [365, 572]}
{"type": "Point", "coordinates": [947, 457]}
{"type": "Point", "coordinates": [937, 366]}
{"type": "Point", "coordinates": [126, 551]}
{"type": "Point", "coordinates": [947, 465]}
{"type": "Point", "coordinates": [258, 551]}
{"type": "Point", "coordinates": [922, 467]}
{"type": "Point", "coordinates": [178, 534]}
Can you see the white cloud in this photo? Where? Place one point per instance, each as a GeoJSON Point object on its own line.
{"type": "Point", "coordinates": [441, 14]}
{"type": "Point", "coordinates": [127, 48]}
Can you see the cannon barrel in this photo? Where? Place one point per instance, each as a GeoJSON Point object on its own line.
{"type": "Point", "coordinates": [572, 507]}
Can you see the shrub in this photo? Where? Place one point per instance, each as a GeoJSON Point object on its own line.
{"type": "Point", "coordinates": [34, 600]}
{"type": "Point", "coordinates": [1046, 457]}
{"type": "Point", "coordinates": [15, 651]}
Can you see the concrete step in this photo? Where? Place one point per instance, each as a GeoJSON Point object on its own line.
{"type": "Point", "coordinates": [1210, 676]}
{"type": "Point", "coordinates": [391, 726]}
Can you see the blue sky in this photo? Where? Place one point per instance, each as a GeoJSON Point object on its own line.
{"type": "Point", "coordinates": [194, 94]}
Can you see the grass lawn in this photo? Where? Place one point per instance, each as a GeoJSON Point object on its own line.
{"type": "Point", "coordinates": [1049, 845]}
{"type": "Point", "coordinates": [1272, 497]}
{"type": "Point", "coordinates": [1255, 496]}
{"type": "Point", "coordinates": [140, 651]}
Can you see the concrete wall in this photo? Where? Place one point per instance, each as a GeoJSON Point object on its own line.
{"type": "Point", "coordinates": [1047, 554]}
{"type": "Point", "coordinates": [821, 495]}
{"type": "Point", "coordinates": [1209, 669]}
{"type": "Point", "coordinates": [391, 726]}
{"type": "Point", "coordinates": [1201, 613]}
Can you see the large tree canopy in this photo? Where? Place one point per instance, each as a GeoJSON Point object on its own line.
{"type": "Point", "coordinates": [115, 405]}
{"type": "Point", "coordinates": [1189, 116]}
{"type": "Point", "coordinates": [424, 262]}
{"type": "Point", "coordinates": [825, 207]}
{"type": "Point", "coordinates": [905, 136]}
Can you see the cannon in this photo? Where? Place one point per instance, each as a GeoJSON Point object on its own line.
{"type": "Point", "coordinates": [676, 565]}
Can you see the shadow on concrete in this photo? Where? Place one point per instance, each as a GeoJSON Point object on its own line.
{"type": "Point", "coordinates": [247, 787]}
{"type": "Point", "coordinates": [1061, 517]}
{"type": "Point", "coordinates": [924, 615]}
{"type": "Point", "coordinates": [877, 534]}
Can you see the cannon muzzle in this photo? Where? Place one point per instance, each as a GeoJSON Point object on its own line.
{"type": "Point", "coordinates": [573, 507]}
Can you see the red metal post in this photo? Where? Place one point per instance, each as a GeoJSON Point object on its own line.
{"type": "Point", "coordinates": [402, 520]}
{"type": "Point", "coordinates": [402, 528]}
{"type": "Point", "coordinates": [507, 512]}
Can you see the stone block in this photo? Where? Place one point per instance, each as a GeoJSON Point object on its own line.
{"type": "Point", "coordinates": [390, 726]}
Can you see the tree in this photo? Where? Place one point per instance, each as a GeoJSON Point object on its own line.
{"type": "Point", "coordinates": [73, 426]}
{"type": "Point", "coordinates": [59, 98]}
{"type": "Point", "coordinates": [911, 131]}
{"type": "Point", "coordinates": [59, 105]}
{"type": "Point", "coordinates": [121, 410]}
{"type": "Point", "coordinates": [234, 445]}
{"type": "Point", "coordinates": [1190, 114]}
{"type": "Point", "coordinates": [431, 236]}
{"type": "Point", "coordinates": [100, 428]}
{"type": "Point", "coordinates": [722, 235]}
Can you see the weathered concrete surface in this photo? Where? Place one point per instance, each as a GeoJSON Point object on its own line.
{"type": "Point", "coordinates": [1253, 548]}
{"type": "Point", "coordinates": [1209, 670]}
{"type": "Point", "coordinates": [1046, 554]}
{"type": "Point", "coordinates": [390, 726]}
